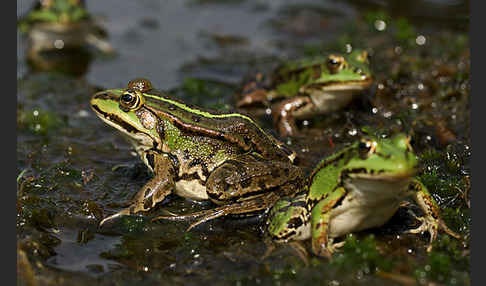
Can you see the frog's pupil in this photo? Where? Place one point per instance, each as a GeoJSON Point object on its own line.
{"type": "Point", "coordinates": [364, 145]}
{"type": "Point", "coordinates": [126, 97]}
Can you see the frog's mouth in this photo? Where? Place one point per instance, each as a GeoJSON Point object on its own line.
{"type": "Point", "coordinates": [137, 137]}
{"type": "Point", "coordinates": [383, 176]}
{"type": "Point", "coordinates": [355, 85]}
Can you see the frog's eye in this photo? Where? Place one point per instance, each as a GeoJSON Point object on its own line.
{"type": "Point", "coordinates": [366, 147]}
{"type": "Point", "coordinates": [130, 100]}
{"type": "Point", "coordinates": [335, 64]}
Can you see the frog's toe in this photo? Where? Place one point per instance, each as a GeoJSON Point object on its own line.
{"type": "Point", "coordinates": [258, 96]}
{"type": "Point", "coordinates": [421, 228]}
{"type": "Point", "coordinates": [335, 246]}
{"type": "Point", "coordinates": [118, 214]}
{"type": "Point", "coordinates": [322, 251]}
{"type": "Point", "coordinates": [444, 227]}
{"type": "Point", "coordinates": [427, 225]}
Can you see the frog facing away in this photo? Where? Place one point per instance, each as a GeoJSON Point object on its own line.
{"type": "Point", "coordinates": [357, 188]}
{"type": "Point", "coordinates": [198, 154]}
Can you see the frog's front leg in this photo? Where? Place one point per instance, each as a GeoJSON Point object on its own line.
{"type": "Point", "coordinates": [320, 218]}
{"type": "Point", "coordinates": [155, 190]}
{"type": "Point", "coordinates": [255, 91]}
{"type": "Point", "coordinates": [285, 113]}
{"type": "Point", "coordinates": [431, 221]}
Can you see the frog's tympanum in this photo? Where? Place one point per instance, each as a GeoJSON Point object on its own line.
{"type": "Point", "coordinates": [198, 154]}
{"type": "Point", "coordinates": [357, 188]}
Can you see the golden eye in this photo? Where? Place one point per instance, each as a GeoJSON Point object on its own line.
{"type": "Point", "coordinates": [366, 147]}
{"type": "Point", "coordinates": [130, 100]}
{"type": "Point", "coordinates": [336, 63]}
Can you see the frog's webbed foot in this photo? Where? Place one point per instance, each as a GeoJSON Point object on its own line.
{"type": "Point", "coordinates": [432, 226]}
{"type": "Point", "coordinates": [432, 221]}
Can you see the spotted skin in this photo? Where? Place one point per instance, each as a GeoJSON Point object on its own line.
{"type": "Point", "coordinates": [357, 188]}
{"type": "Point", "coordinates": [198, 154]}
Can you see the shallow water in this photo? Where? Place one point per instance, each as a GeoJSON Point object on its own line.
{"type": "Point", "coordinates": [68, 155]}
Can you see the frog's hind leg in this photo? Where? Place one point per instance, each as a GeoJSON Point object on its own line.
{"type": "Point", "coordinates": [249, 176]}
{"type": "Point", "coordinates": [256, 204]}
{"type": "Point", "coordinates": [246, 185]}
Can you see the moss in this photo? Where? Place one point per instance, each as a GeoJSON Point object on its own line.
{"type": "Point", "coordinates": [447, 263]}
{"type": "Point", "coordinates": [360, 255]}
{"type": "Point", "coordinates": [39, 121]}
{"type": "Point", "coordinates": [198, 87]}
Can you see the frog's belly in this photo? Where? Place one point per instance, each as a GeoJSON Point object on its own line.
{"type": "Point", "coordinates": [191, 189]}
{"type": "Point", "coordinates": [351, 218]}
{"type": "Point", "coordinates": [326, 102]}
{"type": "Point", "coordinates": [369, 203]}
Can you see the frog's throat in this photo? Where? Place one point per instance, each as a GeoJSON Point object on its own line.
{"type": "Point", "coordinates": [395, 176]}
{"type": "Point", "coordinates": [354, 85]}
{"type": "Point", "coordinates": [139, 137]}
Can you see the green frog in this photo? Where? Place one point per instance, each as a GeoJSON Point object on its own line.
{"type": "Point", "coordinates": [198, 154]}
{"type": "Point", "coordinates": [357, 188]}
{"type": "Point", "coordinates": [62, 24]}
{"type": "Point", "coordinates": [307, 87]}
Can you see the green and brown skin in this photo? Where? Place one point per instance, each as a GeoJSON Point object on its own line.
{"type": "Point", "coordinates": [307, 87]}
{"type": "Point", "coordinates": [357, 188]}
{"type": "Point", "coordinates": [198, 154]}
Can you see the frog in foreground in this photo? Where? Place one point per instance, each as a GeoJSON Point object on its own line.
{"type": "Point", "coordinates": [308, 87]}
{"type": "Point", "coordinates": [357, 188]}
{"type": "Point", "coordinates": [198, 154]}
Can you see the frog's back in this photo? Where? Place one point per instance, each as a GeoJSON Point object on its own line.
{"type": "Point", "coordinates": [235, 128]}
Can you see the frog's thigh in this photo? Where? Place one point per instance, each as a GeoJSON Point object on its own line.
{"type": "Point", "coordinates": [246, 178]}
{"type": "Point", "coordinates": [320, 216]}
